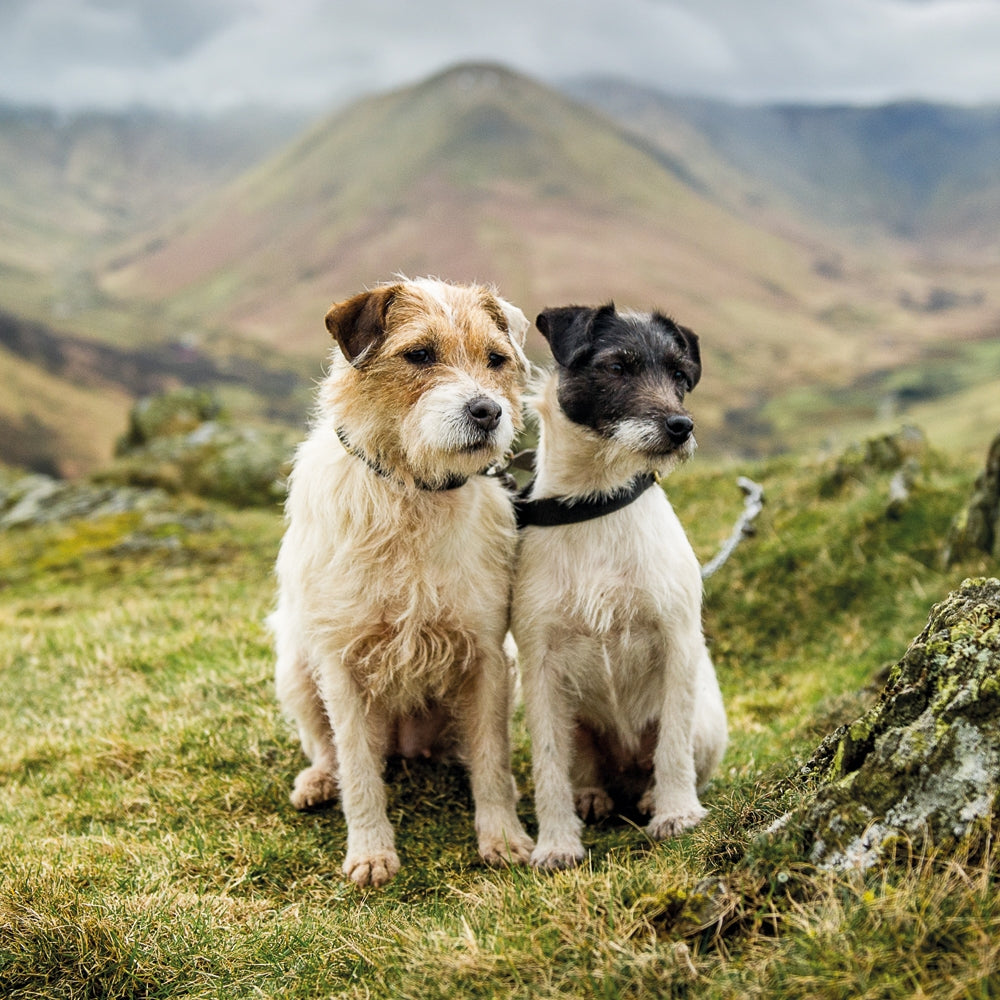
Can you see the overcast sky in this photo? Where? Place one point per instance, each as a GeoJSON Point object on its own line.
{"type": "Point", "coordinates": [211, 54]}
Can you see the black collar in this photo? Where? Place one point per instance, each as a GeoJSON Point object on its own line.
{"type": "Point", "coordinates": [451, 483]}
{"type": "Point", "coordinates": [552, 511]}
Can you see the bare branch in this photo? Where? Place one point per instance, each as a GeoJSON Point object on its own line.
{"type": "Point", "coordinates": [753, 503]}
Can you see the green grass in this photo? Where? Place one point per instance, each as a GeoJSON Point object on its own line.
{"type": "Point", "coordinates": [950, 392]}
{"type": "Point", "coordinates": [148, 849]}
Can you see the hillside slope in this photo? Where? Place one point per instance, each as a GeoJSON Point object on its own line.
{"type": "Point", "coordinates": [142, 234]}
{"type": "Point", "coordinates": [925, 174]}
{"type": "Point", "coordinates": [152, 850]}
{"type": "Point", "coordinates": [71, 185]}
{"type": "Point", "coordinates": [476, 173]}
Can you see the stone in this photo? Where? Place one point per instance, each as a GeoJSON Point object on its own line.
{"type": "Point", "coordinates": [923, 764]}
{"type": "Point", "coordinates": [976, 529]}
{"type": "Point", "coordinates": [37, 499]}
{"type": "Point", "coordinates": [903, 451]}
{"type": "Point", "coordinates": [182, 443]}
{"type": "Point", "coordinates": [167, 415]}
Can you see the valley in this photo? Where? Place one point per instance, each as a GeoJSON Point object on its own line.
{"type": "Point", "coordinates": [824, 287]}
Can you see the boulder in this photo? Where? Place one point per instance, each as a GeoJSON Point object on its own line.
{"type": "Point", "coordinates": [182, 443]}
{"type": "Point", "coordinates": [977, 528]}
{"type": "Point", "coordinates": [37, 499]}
{"type": "Point", "coordinates": [166, 415]}
{"type": "Point", "coordinates": [903, 453]}
{"type": "Point", "coordinates": [923, 764]}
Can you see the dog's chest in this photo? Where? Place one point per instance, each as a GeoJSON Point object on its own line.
{"type": "Point", "coordinates": [613, 577]}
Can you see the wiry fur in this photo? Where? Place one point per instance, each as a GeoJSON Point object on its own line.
{"type": "Point", "coordinates": [393, 592]}
{"type": "Point", "coordinates": [616, 678]}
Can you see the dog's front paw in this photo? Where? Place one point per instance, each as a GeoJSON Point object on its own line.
{"type": "Point", "coordinates": [506, 849]}
{"type": "Point", "coordinates": [313, 787]}
{"type": "Point", "coordinates": [593, 803]}
{"type": "Point", "coordinates": [374, 869]}
{"type": "Point", "coordinates": [556, 856]}
{"type": "Point", "coordinates": [666, 825]}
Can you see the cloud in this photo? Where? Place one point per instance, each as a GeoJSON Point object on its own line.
{"type": "Point", "coordinates": [216, 53]}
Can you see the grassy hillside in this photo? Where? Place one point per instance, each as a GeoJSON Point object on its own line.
{"type": "Point", "coordinates": [56, 426]}
{"type": "Point", "coordinates": [151, 850]}
{"type": "Point", "coordinates": [73, 185]}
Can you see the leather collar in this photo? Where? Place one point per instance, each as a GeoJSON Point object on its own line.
{"type": "Point", "coordinates": [550, 512]}
{"type": "Point", "coordinates": [451, 483]}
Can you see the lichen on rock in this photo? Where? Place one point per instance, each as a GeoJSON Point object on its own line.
{"type": "Point", "coordinates": [924, 761]}
{"type": "Point", "coordinates": [182, 442]}
{"type": "Point", "coordinates": [976, 529]}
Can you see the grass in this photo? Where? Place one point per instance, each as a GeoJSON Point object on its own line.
{"type": "Point", "coordinates": [149, 849]}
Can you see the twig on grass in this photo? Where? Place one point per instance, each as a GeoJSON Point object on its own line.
{"type": "Point", "coordinates": [753, 503]}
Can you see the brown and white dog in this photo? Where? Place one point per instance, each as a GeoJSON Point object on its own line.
{"type": "Point", "coordinates": [394, 573]}
{"type": "Point", "coordinates": [616, 679]}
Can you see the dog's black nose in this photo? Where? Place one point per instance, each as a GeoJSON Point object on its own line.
{"type": "Point", "coordinates": [484, 411]}
{"type": "Point", "coordinates": [679, 428]}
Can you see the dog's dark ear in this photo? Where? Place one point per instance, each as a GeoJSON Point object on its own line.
{"type": "Point", "coordinates": [570, 330]}
{"type": "Point", "coordinates": [690, 341]}
{"type": "Point", "coordinates": [358, 323]}
{"type": "Point", "coordinates": [687, 342]}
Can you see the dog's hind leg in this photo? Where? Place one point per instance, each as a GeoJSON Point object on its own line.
{"type": "Point", "coordinates": [301, 702]}
{"type": "Point", "coordinates": [589, 795]}
{"type": "Point", "coordinates": [486, 741]}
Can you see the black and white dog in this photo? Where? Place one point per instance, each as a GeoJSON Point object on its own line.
{"type": "Point", "coordinates": [606, 613]}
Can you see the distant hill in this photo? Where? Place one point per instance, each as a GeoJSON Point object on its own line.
{"type": "Point", "coordinates": [478, 173]}
{"type": "Point", "coordinates": [71, 188]}
{"type": "Point", "coordinates": [73, 184]}
{"type": "Point", "coordinates": [822, 293]}
{"type": "Point", "coordinates": [926, 174]}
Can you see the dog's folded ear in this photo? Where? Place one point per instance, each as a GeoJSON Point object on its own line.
{"type": "Point", "coordinates": [570, 330]}
{"type": "Point", "coordinates": [358, 323]}
{"type": "Point", "coordinates": [508, 317]}
{"type": "Point", "coordinates": [688, 340]}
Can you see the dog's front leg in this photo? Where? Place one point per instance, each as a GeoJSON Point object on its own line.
{"type": "Point", "coordinates": [551, 727]}
{"type": "Point", "coordinates": [485, 726]}
{"type": "Point", "coordinates": [360, 736]}
{"type": "Point", "coordinates": [675, 804]}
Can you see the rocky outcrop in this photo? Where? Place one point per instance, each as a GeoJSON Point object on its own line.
{"type": "Point", "coordinates": [977, 528]}
{"type": "Point", "coordinates": [27, 500]}
{"type": "Point", "coordinates": [181, 442]}
{"type": "Point", "coordinates": [924, 762]}
{"type": "Point", "coordinates": [903, 453]}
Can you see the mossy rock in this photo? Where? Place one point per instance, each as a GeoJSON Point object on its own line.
{"type": "Point", "coordinates": [977, 528]}
{"type": "Point", "coordinates": [884, 453]}
{"type": "Point", "coordinates": [168, 414]}
{"type": "Point", "coordinates": [243, 466]}
{"type": "Point", "coordinates": [924, 762]}
{"type": "Point", "coordinates": [35, 499]}
{"type": "Point", "coordinates": [181, 442]}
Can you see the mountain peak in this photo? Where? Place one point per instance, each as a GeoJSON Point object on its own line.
{"type": "Point", "coordinates": [466, 77]}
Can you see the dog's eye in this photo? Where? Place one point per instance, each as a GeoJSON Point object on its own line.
{"type": "Point", "coordinates": [615, 367]}
{"type": "Point", "coordinates": [420, 356]}
{"type": "Point", "coordinates": [496, 359]}
{"type": "Point", "coordinates": [682, 380]}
